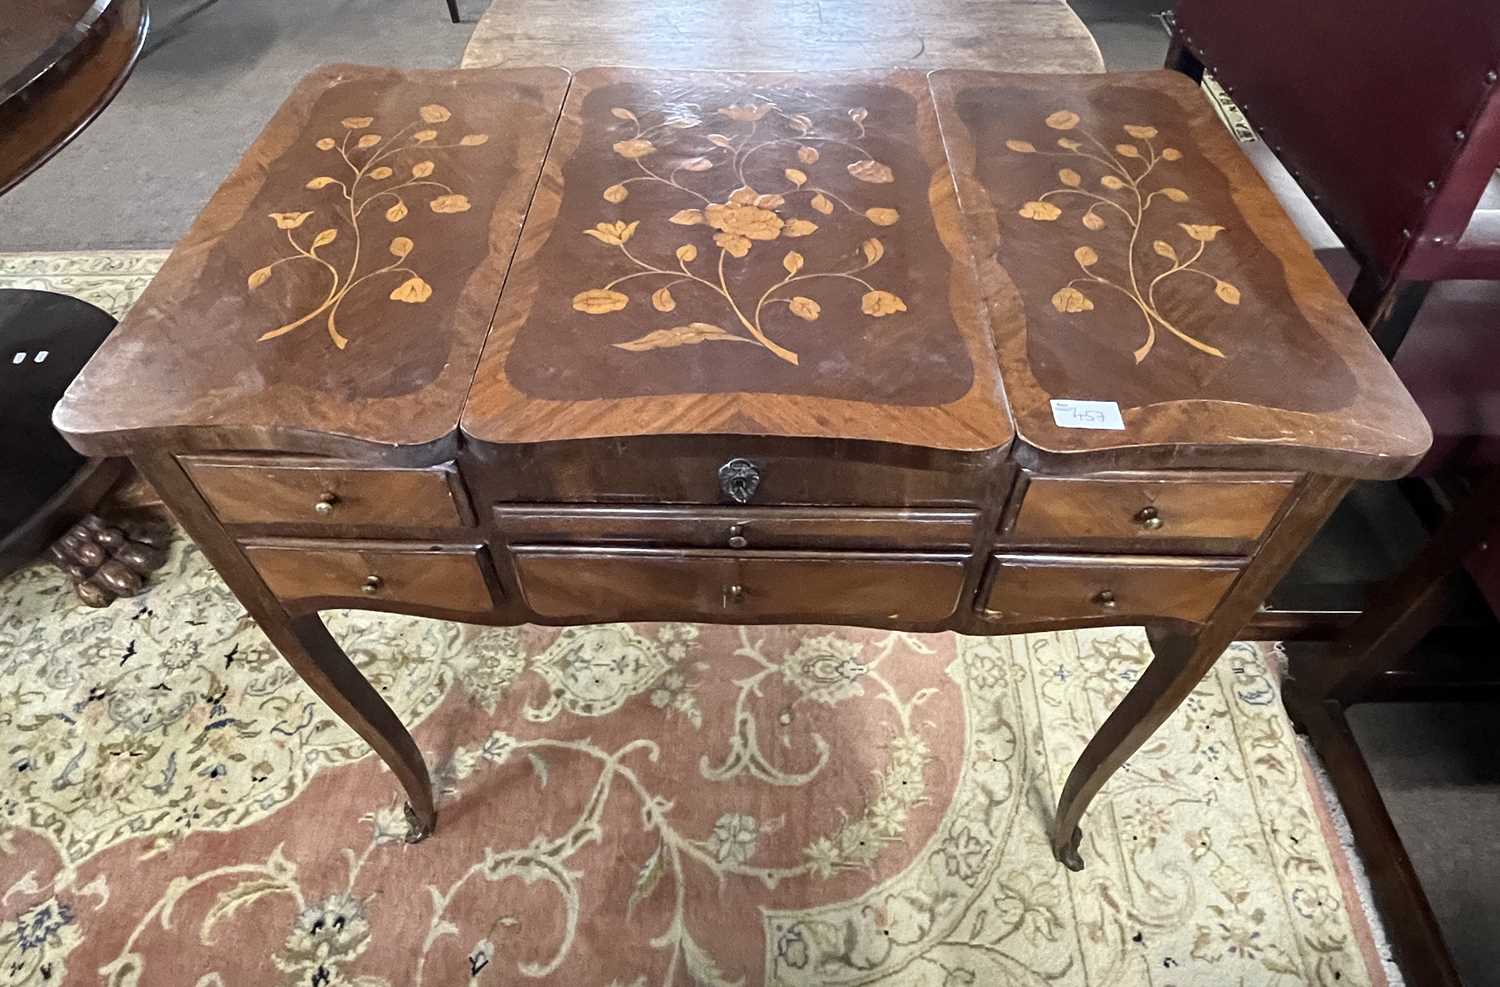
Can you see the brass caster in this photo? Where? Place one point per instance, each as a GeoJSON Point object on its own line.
{"type": "Point", "coordinates": [1068, 855]}
{"type": "Point", "coordinates": [416, 830]}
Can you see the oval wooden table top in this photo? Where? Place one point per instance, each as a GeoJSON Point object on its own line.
{"type": "Point", "coordinates": [781, 35]}
{"type": "Point", "coordinates": [61, 62]}
{"type": "Point", "coordinates": [38, 34]}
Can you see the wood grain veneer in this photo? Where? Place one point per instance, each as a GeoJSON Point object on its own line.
{"type": "Point", "coordinates": [438, 577]}
{"type": "Point", "coordinates": [1224, 512]}
{"type": "Point", "coordinates": [308, 491]}
{"type": "Point", "coordinates": [1022, 35]}
{"type": "Point", "coordinates": [911, 363]}
{"type": "Point", "coordinates": [737, 528]}
{"type": "Point", "coordinates": [298, 315]}
{"type": "Point", "coordinates": [1129, 252]}
{"type": "Point", "coordinates": [590, 585]}
{"type": "Point", "coordinates": [1105, 589]}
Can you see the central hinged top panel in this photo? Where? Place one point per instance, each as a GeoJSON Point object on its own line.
{"type": "Point", "coordinates": [770, 255]}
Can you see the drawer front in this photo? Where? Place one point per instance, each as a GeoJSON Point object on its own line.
{"type": "Point", "coordinates": [736, 528]}
{"type": "Point", "coordinates": [307, 492]}
{"type": "Point", "coordinates": [603, 584]}
{"type": "Point", "coordinates": [720, 472]}
{"type": "Point", "coordinates": [444, 578]}
{"type": "Point", "coordinates": [1044, 588]}
{"type": "Point", "coordinates": [1140, 512]}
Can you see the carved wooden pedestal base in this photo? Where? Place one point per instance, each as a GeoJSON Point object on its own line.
{"type": "Point", "coordinates": [106, 563]}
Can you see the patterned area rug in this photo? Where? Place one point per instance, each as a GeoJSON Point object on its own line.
{"type": "Point", "coordinates": [631, 805]}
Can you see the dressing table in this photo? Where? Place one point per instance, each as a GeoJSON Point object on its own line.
{"type": "Point", "coordinates": [954, 351]}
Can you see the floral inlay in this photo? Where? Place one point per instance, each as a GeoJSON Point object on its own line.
{"type": "Point", "coordinates": [742, 219]}
{"type": "Point", "coordinates": [1121, 172]}
{"type": "Point", "coordinates": [375, 173]}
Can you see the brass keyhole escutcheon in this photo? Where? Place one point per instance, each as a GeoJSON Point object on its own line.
{"type": "Point", "coordinates": [734, 595]}
{"type": "Point", "coordinates": [739, 479]}
{"type": "Point", "coordinates": [325, 503]}
{"type": "Point", "coordinates": [1106, 598]}
{"type": "Point", "coordinates": [737, 537]}
{"type": "Point", "coordinates": [1149, 518]}
{"type": "Point", "coordinates": [372, 585]}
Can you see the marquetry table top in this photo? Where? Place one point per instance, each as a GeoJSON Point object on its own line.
{"type": "Point", "coordinates": [771, 254]}
{"type": "Point", "coordinates": [340, 282]}
{"type": "Point", "coordinates": [1131, 254]}
{"type": "Point", "coordinates": [893, 257]}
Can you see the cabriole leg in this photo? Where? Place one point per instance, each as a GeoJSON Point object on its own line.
{"type": "Point", "coordinates": [325, 667]}
{"type": "Point", "coordinates": [1183, 657]}
{"type": "Point", "coordinates": [1179, 664]}
{"type": "Point", "coordinates": [304, 641]}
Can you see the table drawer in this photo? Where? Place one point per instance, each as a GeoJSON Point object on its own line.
{"type": "Point", "coordinates": [1027, 588]}
{"type": "Point", "coordinates": [449, 577]}
{"type": "Point", "coordinates": [308, 491]}
{"type": "Point", "coordinates": [1230, 511]}
{"type": "Point", "coordinates": [720, 471]}
{"type": "Point", "coordinates": [615, 584]}
{"type": "Point", "coordinates": [736, 528]}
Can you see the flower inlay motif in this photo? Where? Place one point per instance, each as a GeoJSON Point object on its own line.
{"type": "Point", "coordinates": [370, 176]}
{"type": "Point", "coordinates": [1122, 172]}
{"type": "Point", "coordinates": [742, 219]}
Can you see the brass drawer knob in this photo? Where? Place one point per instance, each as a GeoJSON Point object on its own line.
{"type": "Point", "coordinates": [734, 595]}
{"type": "Point", "coordinates": [1106, 598]}
{"type": "Point", "coordinates": [372, 585]}
{"type": "Point", "coordinates": [1148, 518]}
{"type": "Point", "coordinates": [325, 503]}
{"type": "Point", "coordinates": [737, 536]}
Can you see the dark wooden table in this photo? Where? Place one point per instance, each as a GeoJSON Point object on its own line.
{"type": "Point", "coordinates": [61, 62]}
{"type": "Point", "coordinates": [970, 351]}
{"type": "Point", "coordinates": [787, 35]}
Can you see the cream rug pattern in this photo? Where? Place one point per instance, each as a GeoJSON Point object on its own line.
{"type": "Point", "coordinates": [632, 804]}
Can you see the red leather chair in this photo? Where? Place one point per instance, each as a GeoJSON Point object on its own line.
{"type": "Point", "coordinates": [1387, 112]}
